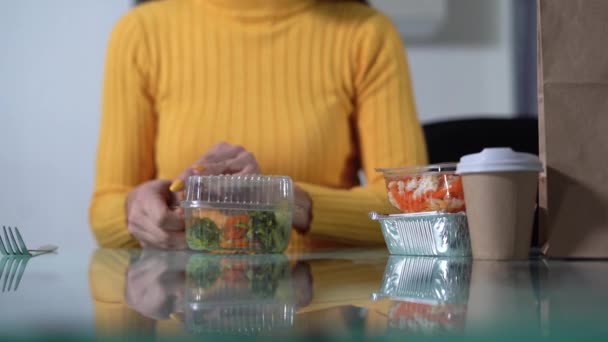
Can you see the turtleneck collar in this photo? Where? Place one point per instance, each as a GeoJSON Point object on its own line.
{"type": "Point", "coordinates": [260, 8]}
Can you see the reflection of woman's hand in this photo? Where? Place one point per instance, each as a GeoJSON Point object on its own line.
{"type": "Point", "coordinates": [302, 283]}
{"type": "Point", "coordinates": [155, 283]}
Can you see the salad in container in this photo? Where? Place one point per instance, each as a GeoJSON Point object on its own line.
{"type": "Point", "coordinates": [434, 188]}
{"type": "Point", "coordinates": [238, 214]}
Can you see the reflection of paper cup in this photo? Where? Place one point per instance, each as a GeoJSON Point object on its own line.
{"type": "Point", "coordinates": [501, 297]}
{"type": "Point", "coordinates": [500, 191]}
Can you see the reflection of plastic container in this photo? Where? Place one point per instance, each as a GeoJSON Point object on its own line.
{"type": "Point", "coordinates": [426, 280]}
{"type": "Point", "coordinates": [434, 188]}
{"type": "Point", "coordinates": [232, 214]}
{"type": "Point", "coordinates": [238, 294]}
{"type": "Point", "coordinates": [429, 234]}
{"type": "Point", "coordinates": [429, 295]}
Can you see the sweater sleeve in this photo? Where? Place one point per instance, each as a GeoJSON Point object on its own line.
{"type": "Point", "coordinates": [125, 155]}
{"type": "Point", "coordinates": [389, 135]}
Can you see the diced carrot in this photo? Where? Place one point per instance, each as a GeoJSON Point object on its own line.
{"type": "Point", "coordinates": [440, 194]}
{"type": "Point", "coordinates": [230, 275]}
{"type": "Point", "coordinates": [456, 189]}
{"type": "Point", "coordinates": [236, 221]}
{"type": "Point", "coordinates": [234, 233]}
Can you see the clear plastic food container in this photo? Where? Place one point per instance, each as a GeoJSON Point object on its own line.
{"type": "Point", "coordinates": [239, 294]}
{"type": "Point", "coordinates": [238, 214]}
{"type": "Point", "coordinates": [417, 189]}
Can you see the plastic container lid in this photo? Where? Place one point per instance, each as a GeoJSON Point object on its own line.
{"type": "Point", "coordinates": [415, 170]}
{"type": "Point", "coordinates": [249, 192]}
{"type": "Point", "coordinates": [499, 160]}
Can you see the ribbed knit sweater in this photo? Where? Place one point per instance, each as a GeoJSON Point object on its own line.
{"type": "Point", "coordinates": [315, 89]}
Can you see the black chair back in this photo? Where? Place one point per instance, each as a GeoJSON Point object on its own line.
{"type": "Point", "coordinates": [447, 141]}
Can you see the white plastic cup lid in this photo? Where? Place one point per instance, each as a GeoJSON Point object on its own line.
{"type": "Point", "coordinates": [498, 160]}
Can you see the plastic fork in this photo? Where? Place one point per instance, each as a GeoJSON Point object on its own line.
{"type": "Point", "coordinates": [16, 247]}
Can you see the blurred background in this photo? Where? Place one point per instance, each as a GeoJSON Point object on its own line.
{"type": "Point", "coordinates": [468, 58]}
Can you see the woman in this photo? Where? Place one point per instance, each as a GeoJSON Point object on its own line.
{"type": "Point", "coordinates": [313, 89]}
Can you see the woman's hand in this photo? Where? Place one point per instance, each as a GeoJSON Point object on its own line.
{"type": "Point", "coordinates": [222, 158]}
{"type": "Point", "coordinates": [302, 216]}
{"type": "Point", "coordinates": [150, 218]}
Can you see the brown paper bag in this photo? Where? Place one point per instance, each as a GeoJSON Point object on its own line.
{"type": "Point", "coordinates": [573, 120]}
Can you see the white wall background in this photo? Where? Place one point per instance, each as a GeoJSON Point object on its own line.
{"type": "Point", "coordinates": [51, 64]}
{"type": "Point", "coordinates": [467, 68]}
{"type": "Point", "coordinates": [50, 79]}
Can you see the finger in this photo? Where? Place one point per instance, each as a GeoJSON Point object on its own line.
{"type": "Point", "coordinates": [145, 237]}
{"type": "Point", "coordinates": [178, 184]}
{"type": "Point", "coordinates": [156, 209]}
{"type": "Point", "coordinates": [164, 238]}
{"type": "Point", "coordinates": [221, 152]}
{"type": "Point", "coordinates": [154, 236]}
{"type": "Point", "coordinates": [249, 170]}
{"type": "Point", "coordinates": [217, 168]}
{"type": "Point", "coordinates": [245, 160]}
{"type": "Point", "coordinates": [198, 169]}
{"type": "Point", "coordinates": [174, 199]}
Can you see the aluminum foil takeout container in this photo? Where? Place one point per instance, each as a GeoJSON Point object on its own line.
{"type": "Point", "coordinates": [428, 295]}
{"type": "Point", "coordinates": [426, 280]}
{"type": "Point", "coordinates": [426, 234]}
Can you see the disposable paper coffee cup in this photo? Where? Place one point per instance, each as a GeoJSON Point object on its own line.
{"type": "Point", "coordinates": [500, 188]}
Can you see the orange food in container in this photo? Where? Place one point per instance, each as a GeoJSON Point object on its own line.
{"type": "Point", "coordinates": [418, 189]}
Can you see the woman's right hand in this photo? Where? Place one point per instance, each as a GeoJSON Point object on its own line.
{"type": "Point", "coordinates": [151, 219]}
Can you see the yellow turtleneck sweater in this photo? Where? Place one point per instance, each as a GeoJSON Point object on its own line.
{"type": "Point", "coordinates": [316, 89]}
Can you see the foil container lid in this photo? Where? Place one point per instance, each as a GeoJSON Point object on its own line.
{"type": "Point", "coordinates": [426, 234]}
{"type": "Point", "coordinates": [427, 280]}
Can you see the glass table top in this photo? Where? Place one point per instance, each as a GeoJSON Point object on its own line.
{"type": "Point", "coordinates": [334, 295]}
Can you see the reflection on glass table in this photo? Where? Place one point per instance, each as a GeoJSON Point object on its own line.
{"type": "Point", "coordinates": [429, 295]}
{"type": "Point", "coordinates": [239, 294]}
{"type": "Point", "coordinates": [205, 293]}
{"type": "Point", "coordinates": [166, 295]}
{"type": "Point", "coordinates": [11, 272]}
